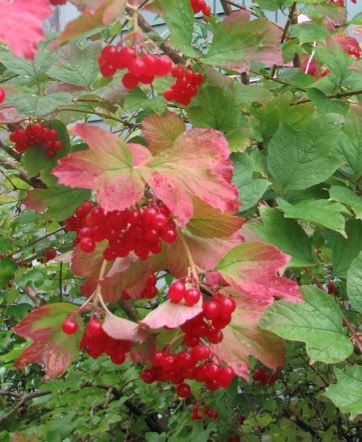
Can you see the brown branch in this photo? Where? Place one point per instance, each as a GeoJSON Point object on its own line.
{"type": "Point", "coordinates": [337, 95]}
{"type": "Point", "coordinates": [25, 398]}
{"type": "Point", "coordinates": [28, 291]}
{"type": "Point", "coordinates": [356, 338]}
{"type": "Point", "coordinates": [10, 151]}
{"type": "Point", "coordinates": [165, 46]}
{"type": "Point", "coordinates": [33, 182]}
{"type": "Point", "coordinates": [226, 7]}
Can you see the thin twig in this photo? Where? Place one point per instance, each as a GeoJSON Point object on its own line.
{"type": "Point", "coordinates": [27, 397]}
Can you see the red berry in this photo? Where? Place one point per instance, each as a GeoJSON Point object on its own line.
{"type": "Point", "coordinates": [183, 390]}
{"type": "Point", "coordinates": [94, 328]}
{"type": "Point", "coordinates": [211, 309]}
{"type": "Point", "coordinates": [87, 245]}
{"type": "Point", "coordinates": [148, 376]}
{"type": "Point", "coordinates": [69, 326]}
{"type": "Point", "coordinates": [129, 81]}
{"type": "Point", "coordinates": [2, 94]}
{"type": "Point", "coordinates": [163, 65]}
{"type": "Point", "coordinates": [118, 358]}
{"type": "Point", "coordinates": [200, 352]}
{"type": "Point", "coordinates": [192, 296]}
{"type": "Point", "coordinates": [176, 292]}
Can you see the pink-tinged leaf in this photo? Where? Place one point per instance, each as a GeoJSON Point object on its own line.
{"type": "Point", "coordinates": [162, 131]}
{"type": "Point", "coordinates": [88, 264]}
{"type": "Point", "coordinates": [108, 167]}
{"type": "Point", "coordinates": [50, 346]}
{"type": "Point", "coordinates": [196, 165]}
{"type": "Point", "coordinates": [171, 315]}
{"type": "Point", "coordinates": [243, 338]}
{"type": "Point", "coordinates": [347, 43]}
{"type": "Point", "coordinates": [143, 351]}
{"type": "Point", "coordinates": [130, 274]}
{"type": "Point", "coordinates": [120, 328]}
{"type": "Point", "coordinates": [8, 114]}
{"type": "Point", "coordinates": [237, 42]}
{"type": "Point", "coordinates": [254, 268]}
{"type": "Point", "coordinates": [21, 25]}
{"type": "Point", "coordinates": [96, 14]}
{"type": "Point", "coordinates": [206, 252]}
{"type": "Point", "coordinates": [208, 222]}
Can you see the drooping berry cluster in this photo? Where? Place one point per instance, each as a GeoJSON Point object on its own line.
{"type": "Point", "coordinates": [140, 230]}
{"type": "Point", "coordinates": [200, 6]}
{"type": "Point", "coordinates": [96, 342]}
{"type": "Point", "coordinates": [36, 134]}
{"type": "Point", "coordinates": [179, 291]}
{"type": "Point", "coordinates": [216, 315]}
{"type": "Point", "coordinates": [199, 413]}
{"type": "Point", "coordinates": [149, 291]}
{"type": "Point", "coordinates": [185, 86]}
{"type": "Point", "coordinates": [142, 68]}
{"type": "Point", "coordinates": [196, 364]}
{"type": "Point", "coordinates": [265, 377]}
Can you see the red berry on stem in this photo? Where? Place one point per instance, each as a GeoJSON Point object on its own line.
{"type": "Point", "coordinates": [183, 390]}
{"type": "Point", "coordinates": [69, 326]}
{"type": "Point", "coordinates": [192, 296]}
{"type": "Point", "coordinates": [94, 328]}
{"type": "Point", "coordinates": [176, 292]}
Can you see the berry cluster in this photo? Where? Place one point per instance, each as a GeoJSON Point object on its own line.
{"type": "Point", "coordinates": [200, 6]}
{"type": "Point", "coordinates": [218, 311]}
{"type": "Point", "coordinates": [96, 341]}
{"type": "Point", "coordinates": [36, 135]}
{"type": "Point", "coordinates": [149, 291]}
{"type": "Point", "coordinates": [198, 413]}
{"type": "Point", "coordinates": [185, 86]}
{"type": "Point", "coordinates": [178, 291]}
{"type": "Point", "coordinates": [139, 230]}
{"type": "Point", "coordinates": [264, 377]}
{"type": "Point", "coordinates": [195, 364]}
{"type": "Point", "coordinates": [141, 68]}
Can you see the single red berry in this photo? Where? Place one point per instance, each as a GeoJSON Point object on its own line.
{"type": "Point", "coordinates": [69, 326]}
{"type": "Point", "coordinates": [118, 358]}
{"type": "Point", "coordinates": [200, 352]}
{"type": "Point", "coordinates": [94, 328]}
{"type": "Point", "coordinates": [129, 81]}
{"type": "Point", "coordinates": [192, 296]}
{"type": "Point", "coordinates": [87, 245]}
{"type": "Point", "coordinates": [176, 292]}
{"type": "Point", "coordinates": [183, 390]}
{"type": "Point", "coordinates": [148, 376]}
{"type": "Point", "coordinates": [2, 94]}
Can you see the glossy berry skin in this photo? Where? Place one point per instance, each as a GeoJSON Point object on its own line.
{"type": "Point", "coordinates": [183, 391]}
{"type": "Point", "coordinates": [2, 95]}
{"type": "Point", "coordinates": [69, 326]}
{"type": "Point", "coordinates": [148, 376]}
{"type": "Point", "coordinates": [192, 296]}
{"type": "Point", "coordinates": [185, 86]}
{"type": "Point", "coordinates": [176, 292]}
{"type": "Point", "coordinates": [200, 352]}
{"type": "Point", "coordinates": [94, 328]}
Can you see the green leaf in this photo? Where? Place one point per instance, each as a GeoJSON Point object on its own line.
{"type": "Point", "coordinates": [250, 189]}
{"type": "Point", "coordinates": [348, 197]}
{"type": "Point", "coordinates": [324, 104]}
{"type": "Point", "coordinates": [317, 322]}
{"type": "Point", "coordinates": [76, 65]}
{"type": "Point", "coordinates": [298, 159]}
{"type": "Point", "coordinates": [179, 18]}
{"type": "Point", "coordinates": [204, 111]}
{"type": "Point", "coordinates": [337, 61]}
{"type": "Point", "coordinates": [59, 202]}
{"type": "Point", "coordinates": [344, 250]}
{"type": "Point", "coordinates": [39, 106]}
{"type": "Point", "coordinates": [322, 212]}
{"type": "Point", "coordinates": [346, 394]}
{"type": "Point", "coordinates": [7, 270]}
{"type": "Point", "coordinates": [354, 283]}
{"type": "Point", "coordinates": [308, 32]}
{"type": "Point", "coordinates": [349, 147]}
{"type": "Point", "coordinates": [287, 235]}
{"type": "Point", "coordinates": [357, 19]}
{"type": "Point", "coordinates": [238, 39]}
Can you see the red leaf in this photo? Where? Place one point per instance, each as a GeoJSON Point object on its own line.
{"type": "Point", "coordinates": [21, 24]}
{"type": "Point", "coordinates": [8, 114]}
{"type": "Point", "coordinates": [196, 165]}
{"type": "Point", "coordinates": [49, 344]}
{"type": "Point", "coordinates": [161, 132]}
{"type": "Point", "coordinates": [120, 328]}
{"type": "Point", "coordinates": [243, 338]}
{"type": "Point", "coordinates": [171, 315]}
{"type": "Point", "coordinates": [108, 167]}
{"type": "Point", "coordinates": [253, 268]}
